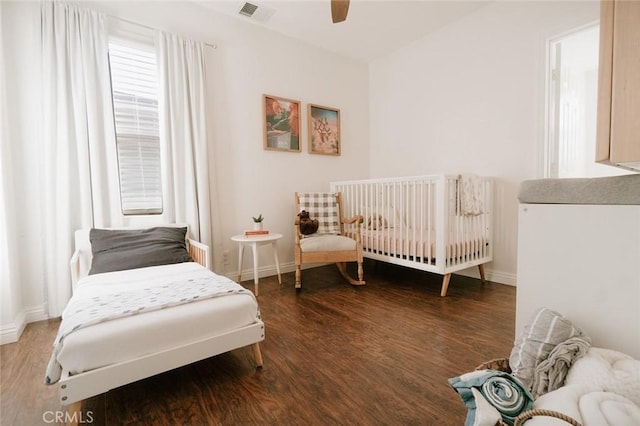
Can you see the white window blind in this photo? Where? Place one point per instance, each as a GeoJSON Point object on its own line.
{"type": "Point", "coordinates": [134, 85]}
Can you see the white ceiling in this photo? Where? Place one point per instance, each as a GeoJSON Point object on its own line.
{"type": "Point", "coordinates": [373, 28]}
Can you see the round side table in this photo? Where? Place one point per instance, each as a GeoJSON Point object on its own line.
{"type": "Point", "coordinates": [254, 241]}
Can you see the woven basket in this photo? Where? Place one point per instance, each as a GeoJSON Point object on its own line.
{"type": "Point", "coordinates": [502, 364]}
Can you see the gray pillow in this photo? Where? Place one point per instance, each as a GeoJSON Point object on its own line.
{"type": "Point", "coordinates": [546, 331]}
{"type": "Point", "coordinates": [120, 249]}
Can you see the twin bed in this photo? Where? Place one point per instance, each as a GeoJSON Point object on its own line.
{"type": "Point", "coordinates": [123, 325]}
{"type": "Point", "coordinates": [435, 223]}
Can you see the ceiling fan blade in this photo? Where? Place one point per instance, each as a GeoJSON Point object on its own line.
{"type": "Point", "coordinates": [339, 9]}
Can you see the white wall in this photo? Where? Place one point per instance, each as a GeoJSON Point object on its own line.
{"type": "Point", "coordinates": [20, 39]}
{"type": "Point", "coordinates": [470, 99]}
{"type": "Point", "coordinates": [247, 180]}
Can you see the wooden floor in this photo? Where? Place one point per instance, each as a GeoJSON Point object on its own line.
{"type": "Point", "coordinates": [379, 354]}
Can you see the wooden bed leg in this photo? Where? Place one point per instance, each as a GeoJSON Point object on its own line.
{"type": "Point", "coordinates": [74, 414]}
{"type": "Point", "coordinates": [445, 285]}
{"type": "Point", "coordinates": [481, 269]}
{"type": "Point", "coordinates": [257, 355]}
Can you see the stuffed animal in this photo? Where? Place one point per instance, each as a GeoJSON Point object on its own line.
{"type": "Point", "coordinates": [378, 222]}
{"type": "Point", "coordinates": [308, 226]}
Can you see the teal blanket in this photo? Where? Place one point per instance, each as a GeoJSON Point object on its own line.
{"type": "Point", "coordinates": [499, 391]}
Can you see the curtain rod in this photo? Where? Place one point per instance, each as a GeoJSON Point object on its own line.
{"type": "Point", "coordinates": [213, 46]}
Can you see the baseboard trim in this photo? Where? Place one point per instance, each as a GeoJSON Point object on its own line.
{"type": "Point", "coordinates": [11, 333]}
{"type": "Point", "coordinates": [36, 313]}
{"type": "Point", "coordinates": [492, 275]}
{"type": "Point", "coordinates": [502, 277]}
{"type": "Point", "coordinates": [263, 271]}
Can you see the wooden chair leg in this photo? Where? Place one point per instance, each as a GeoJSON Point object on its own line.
{"type": "Point", "coordinates": [481, 269]}
{"type": "Point", "coordinates": [298, 282]}
{"type": "Point", "coordinates": [445, 285]}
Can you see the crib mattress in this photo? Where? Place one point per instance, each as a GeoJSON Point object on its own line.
{"type": "Point", "coordinates": [130, 337]}
{"type": "Point", "coordinates": [411, 243]}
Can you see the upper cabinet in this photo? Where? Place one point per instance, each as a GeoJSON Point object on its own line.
{"type": "Point", "coordinates": [618, 126]}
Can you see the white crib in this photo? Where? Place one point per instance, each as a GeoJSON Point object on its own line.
{"type": "Point", "coordinates": [438, 223]}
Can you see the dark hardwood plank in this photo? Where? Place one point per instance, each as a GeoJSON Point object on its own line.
{"type": "Point", "coordinates": [333, 354]}
{"type": "Point", "coordinates": [24, 398]}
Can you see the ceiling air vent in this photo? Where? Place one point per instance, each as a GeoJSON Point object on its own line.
{"type": "Point", "coordinates": [248, 9]}
{"type": "Point", "coordinates": [256, 12]}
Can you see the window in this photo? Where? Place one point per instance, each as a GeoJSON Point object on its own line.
{"type": "Point", "coordinates": [134, 86]}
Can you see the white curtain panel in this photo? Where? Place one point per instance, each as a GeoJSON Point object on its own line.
{"type": "Point", "coordinates": [184, 135]}
{"type": "Point", "coordinates": [78, 143]}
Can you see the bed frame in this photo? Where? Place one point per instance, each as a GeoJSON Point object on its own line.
{"type": "Point", "coordinates": [72, 389]}
{"type": "Point", "coordinates": [418, 222]}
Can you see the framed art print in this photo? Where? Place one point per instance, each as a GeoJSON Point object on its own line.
{"type": "Point", "coordinates": [281, 123]}
{"type": "Point", "coordinates": [324, 130]}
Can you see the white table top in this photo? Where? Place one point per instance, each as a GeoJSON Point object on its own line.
{"type": "Point", "coordinates": [271, 236]}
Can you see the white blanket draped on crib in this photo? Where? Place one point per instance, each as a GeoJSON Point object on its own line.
{"type": "Point", "coordinates": [471, 196]}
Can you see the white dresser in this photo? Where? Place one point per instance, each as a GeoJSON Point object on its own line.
{"type": "Point", "coordinates": [582, 260]}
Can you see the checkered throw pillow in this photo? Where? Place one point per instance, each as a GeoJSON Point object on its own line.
{"type": "Point", "coordinates": [324, 207]}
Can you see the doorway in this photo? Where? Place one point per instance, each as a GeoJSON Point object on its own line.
{"type": "Point", "coordinates": [572, 106]}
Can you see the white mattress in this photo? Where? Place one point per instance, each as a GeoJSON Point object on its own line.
{"type": "Point", "coordinates": [134, 336]}
{"type": "Point", "coordinates": [412, 243]}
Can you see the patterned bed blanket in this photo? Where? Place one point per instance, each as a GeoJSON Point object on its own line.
{"type": "Point", "coordinates": [109, 296]}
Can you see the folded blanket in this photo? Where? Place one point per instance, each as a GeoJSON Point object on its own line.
{"type": "Point", "coordinates": [564, 400]}
{"type": "Point", "coordinates": [610, 371]}
{"type": "Point", "coordinates": [588, 405]}
{"type": "Point", "coordinates": [550, 374]}
{"type": "Point", "coordinates": [602, 388]}
{"type": "Point", "coordinates": [490, 395]}
{"type": "Point", "coordinates": [608, 409]}
{"type": "Point", "coordinates": [538, 340]}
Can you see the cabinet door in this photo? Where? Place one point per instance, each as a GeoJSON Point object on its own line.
{"type": "Point", "coordinates": [619, 84]}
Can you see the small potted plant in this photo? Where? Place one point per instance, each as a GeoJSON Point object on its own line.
{"type": "Point", "coordinates": [257, 222]}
